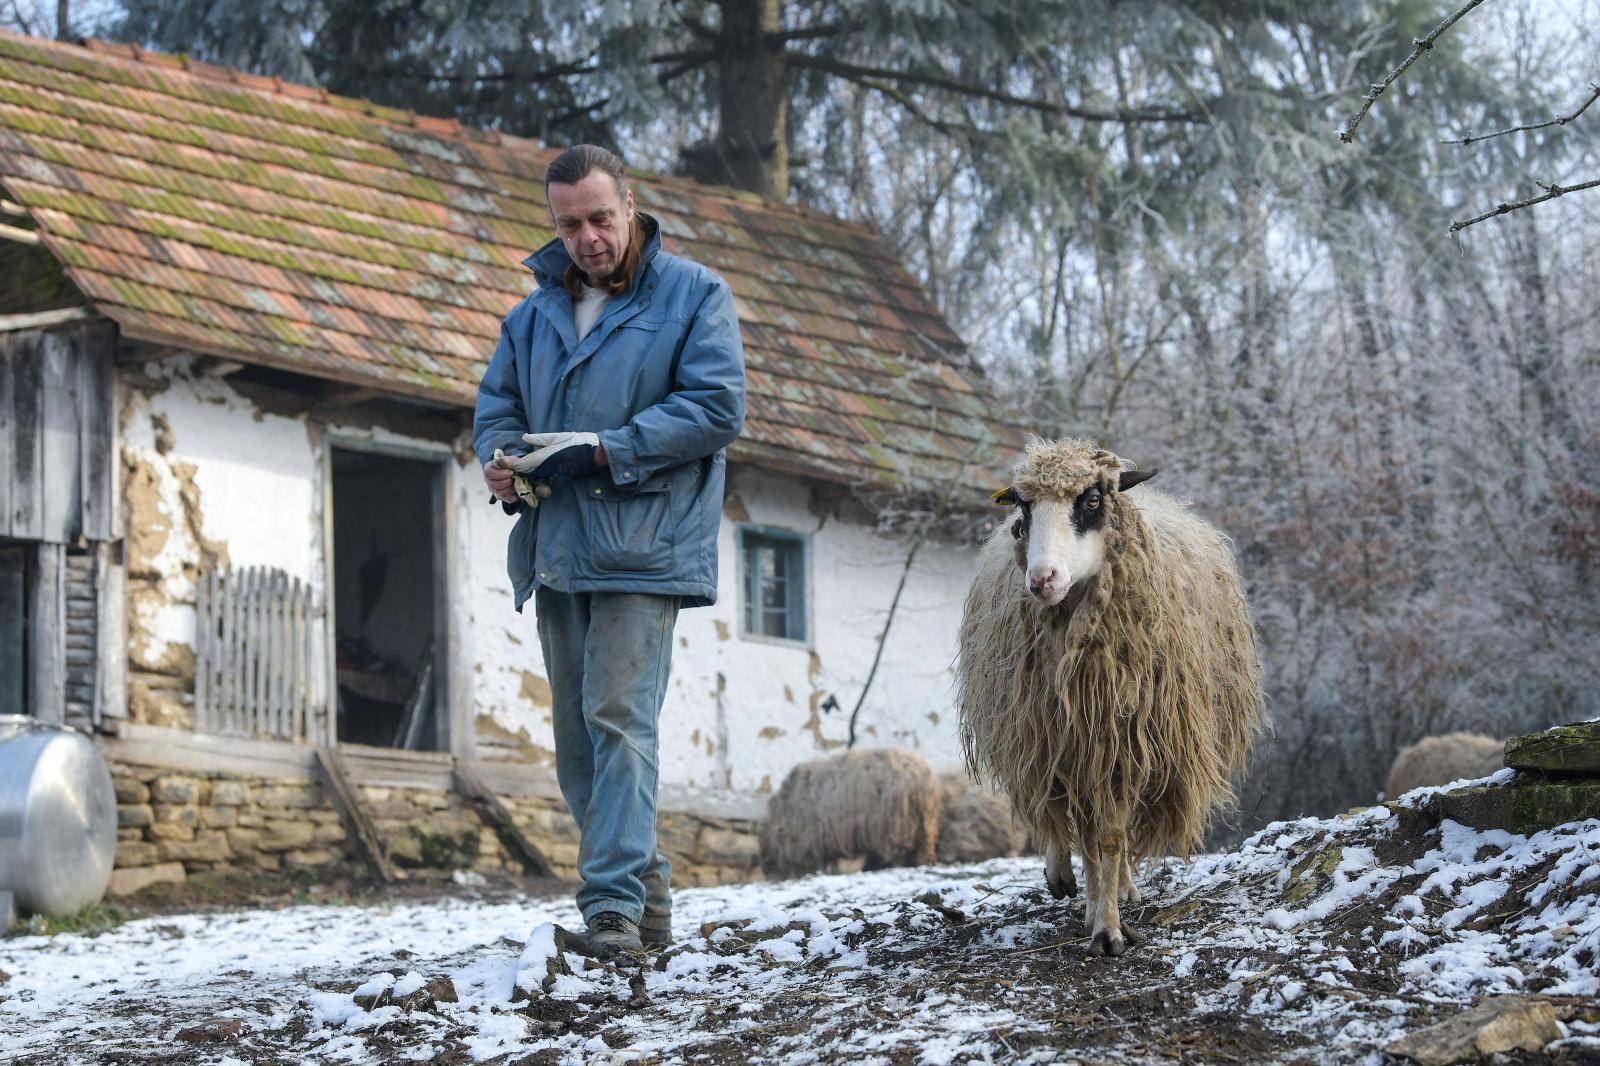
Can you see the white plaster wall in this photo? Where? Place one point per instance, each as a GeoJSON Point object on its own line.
{"type": "Point", "coordinates": [256, 479]}
{"type": "Point", "coordinates": [739, 712]}
{"type": "Point", "coordinates": [769, 714]}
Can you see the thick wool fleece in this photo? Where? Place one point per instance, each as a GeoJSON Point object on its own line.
{"type": "Point", "coordinates": [1137, 696]}
{"type": "Point", "coordinates": [881, 804]}
{"type": "Point", "coordinates": [1442, 759]}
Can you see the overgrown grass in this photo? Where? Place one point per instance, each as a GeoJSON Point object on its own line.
{"type": "Point", "coordinates": [92, 920]}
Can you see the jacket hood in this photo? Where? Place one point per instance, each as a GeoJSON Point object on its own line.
{"type": "Point", "coordinates": [549, 264]}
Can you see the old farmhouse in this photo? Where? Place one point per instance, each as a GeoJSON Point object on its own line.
{"type": "Point", "coordinates": [243, 538]}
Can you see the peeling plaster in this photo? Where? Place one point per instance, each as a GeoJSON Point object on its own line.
{"type": "Point", "coordinates": [498, 739]}
{"type": "Point", "coordinates": [536, 690]}
{"type": "Point", "coordinates": [722, 629]}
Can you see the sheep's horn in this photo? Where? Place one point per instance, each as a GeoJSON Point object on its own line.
{"type": "Point", "coordinates": [1129, 478]}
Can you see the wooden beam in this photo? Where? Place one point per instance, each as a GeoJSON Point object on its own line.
{"type": "Point", "coordinates": [47, 637]}
{"type": "Point", "coordinates": [492, 811]}
{"type": "Point", "coordinates": [21, 236]}
{"type": "Point", "coordinates": [111, 637]}
{"type": "Point", "coordinates": [43, 319]}
{"type": "Point", "coordinates": [356, 822]}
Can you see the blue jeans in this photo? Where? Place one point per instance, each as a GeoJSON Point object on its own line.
{"type": "Point", "coordinates": [608, 654]}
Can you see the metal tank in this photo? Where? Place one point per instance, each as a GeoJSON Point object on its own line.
{"type": "Point", "coordinates": [58, 817]}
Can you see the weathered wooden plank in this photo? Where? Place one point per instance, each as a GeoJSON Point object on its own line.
{"type": "Point", "coordinates": [495, 814]}
{"type": "Point", "coordinates": [250, 597]}
{"type": "Point", "coordinates": [232, 681]}
{"type": "Point", "coordinates": [299, 634]}
{"type": "Point", "coordinates": [97, 449]}
{"type": "Point", "coordinates": [283, 667]}
{"type": "Point", "coordinates": [357, 823]}
{"type": "Point", "coordinates": [59, 434]}
{"type": "Point", "coordinates": [247, 642]}
{"type": "Point", "coordinates": [412, 719]}
{"type": "Point", "coordinates": [203, 655]}
{"type": "Point", "coordinates": [41, 319]}
{"type": "Point", "coordinates": [283, 656]}
{"type": "Point", "coordinates": [47, 658]}
{"type": "Point", "coordinates": [180, 749]}
{"type": "Point", "coordinates": [8, 346]}
{"type": "Point", "coordinates": [27, 458]}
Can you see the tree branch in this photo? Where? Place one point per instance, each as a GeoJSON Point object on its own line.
{"type": "Point", "coordinates": [954, 132]}
{"type": "Point", "coordinates": [682, 68]}
{"type": "Point", "coordinates": [694, 26]}
{"type": "Point", "coordinates": [576, 112]}
{"type": "Point", "coordinates": [1419, 45]}
{"type": "Point", "coordinates": [555, 73]}
{"type": "Point", "coordinates": [1559, 120]}
{"type": "Point", "coordinates": [856, 72]}
{"type": "Point", "coordinates": [1551, 191]}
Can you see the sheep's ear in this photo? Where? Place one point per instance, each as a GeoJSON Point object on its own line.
{"type": "Point", "coordinates": [1006, 497]}
{"type": "Point", "coordinates": [1129, 478]}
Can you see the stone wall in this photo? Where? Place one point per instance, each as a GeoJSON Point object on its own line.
{"type": "Point", "coordinates": [172, 824]}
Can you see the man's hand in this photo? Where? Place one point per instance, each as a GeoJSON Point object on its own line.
{"type": "Point", "coordinates": [560, 455]}
{"type": "Point", "coordinates": [498, 478]}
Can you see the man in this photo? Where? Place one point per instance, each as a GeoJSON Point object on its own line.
{"type": "Point", "coordinates": [609, 401]}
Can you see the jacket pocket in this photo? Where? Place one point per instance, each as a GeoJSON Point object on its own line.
{"type": "Point", "coordinates": [630, 531]}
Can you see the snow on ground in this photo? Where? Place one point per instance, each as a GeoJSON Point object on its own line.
{"type": "Point", "coordinates": [1319, 938]}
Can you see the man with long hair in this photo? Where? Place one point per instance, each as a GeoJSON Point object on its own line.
{"type": "Point", "coordinates": [602, 419]}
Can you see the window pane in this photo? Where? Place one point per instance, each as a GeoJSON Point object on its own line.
{"type": "Point", "coordinates": [774, 586]}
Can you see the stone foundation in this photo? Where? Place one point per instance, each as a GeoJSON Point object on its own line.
{"type": "Point", "coordinates": [172, 823]}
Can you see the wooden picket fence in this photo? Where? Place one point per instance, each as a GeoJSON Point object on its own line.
{"type": "Point", "coordinates": [259, 655]}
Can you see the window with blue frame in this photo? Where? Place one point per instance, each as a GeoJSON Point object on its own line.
{"type": "Point", "coordinates": [773, 565]}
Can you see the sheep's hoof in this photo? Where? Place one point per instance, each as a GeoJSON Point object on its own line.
{"type": "Point", "coordinates": [1132, 934]}
{"type": "Point", "coordinates": [1058, 876]}
{"type": "Point", "coordinates": [1107, 943]}
{"type": "Point", "coordinates": [1130, 895]}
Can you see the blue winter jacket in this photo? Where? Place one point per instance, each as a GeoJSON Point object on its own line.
{"type": "Point", "coordinates": [660, 378]}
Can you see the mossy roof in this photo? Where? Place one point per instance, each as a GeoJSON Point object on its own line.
{"type": "Point", "coordinates": [275, 223]}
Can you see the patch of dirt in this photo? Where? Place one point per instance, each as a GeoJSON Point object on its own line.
{"type": "Point", "coordinates": [343, 885]}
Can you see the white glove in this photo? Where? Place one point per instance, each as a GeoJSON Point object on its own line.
{"type": "Point", "coordinates": [528, 491]}
{"type": "Point", "coordinates": [548, 444]}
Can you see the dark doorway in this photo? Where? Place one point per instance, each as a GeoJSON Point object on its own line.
{"type": "Point", "coordinates": [387, 561]}
{"type": "Point", "coordinates": [13, 629]}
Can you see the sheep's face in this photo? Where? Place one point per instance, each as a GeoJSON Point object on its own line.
{"type": "Point", "coordinates": [1060, 542]}
{"type": "Point", "coordinates": [1063, 492]}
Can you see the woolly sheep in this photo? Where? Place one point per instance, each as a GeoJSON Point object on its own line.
{"type": "Point", "coordinates": [1443, 759]}
{"type": "Point", "coordinates": [1107, 676]}
{"type": "Point", "coordinates": [878, 803]}
{"type": "Point", "coordinates": [976, 824]}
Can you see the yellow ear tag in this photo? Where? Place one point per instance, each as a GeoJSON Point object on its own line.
{"type": "Point", "coordinates": [998, 493]}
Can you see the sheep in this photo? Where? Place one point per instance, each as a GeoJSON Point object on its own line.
{"type": "Point", "coordinates": [878, 803]}
{"type": "Point", "coordinates": [1107, 672]}
{"type": "Point", "coordinates": [975, 823]}
{"type": "Point", "coordinates": [1443, 759]}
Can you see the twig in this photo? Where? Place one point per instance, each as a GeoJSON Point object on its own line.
{"type": "Point", "coordinates": [1551, 191]}
{"type": "Point", "coordinates": [1419, 45]}
{"type": "Point", "coordinates": [948, 83]}
{"type": "Point", "coordinates": [1046, 947]}
{"type": "Point", "coordinates": [1559, 120]}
